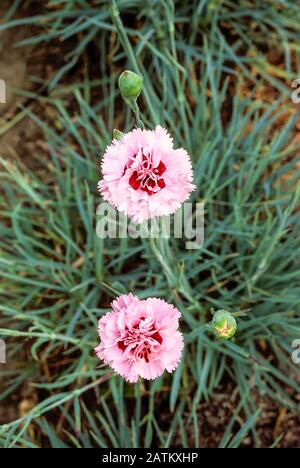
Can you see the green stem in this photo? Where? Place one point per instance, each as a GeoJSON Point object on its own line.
{"type": "Point", "coordinates": [178, 84]}
{"type": "Point", "coordinates": [135, 108]}
{"type": "Point", "coordinates": [115, 14]}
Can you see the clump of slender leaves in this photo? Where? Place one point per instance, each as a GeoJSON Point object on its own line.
{"type": "Point", "coordinates": [249, 31]}
{"type": "Point", "coordinates": [58, 277]}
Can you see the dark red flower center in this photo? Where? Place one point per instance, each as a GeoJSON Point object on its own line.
{"type": "Point", "coordinates": [147, 177]}
{"type": "Point", "coordinates": [140, 341]}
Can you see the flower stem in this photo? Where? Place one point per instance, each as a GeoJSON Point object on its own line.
{"type": "Point", "coordinates": [115, 15]}
{"type": "Point", "coordinates": [135, 108]}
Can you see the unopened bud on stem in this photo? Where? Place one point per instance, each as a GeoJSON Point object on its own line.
{"type": "Point", "coordinates": [130, 85]}
{"type": "Point", "coordinates": [224, 325]}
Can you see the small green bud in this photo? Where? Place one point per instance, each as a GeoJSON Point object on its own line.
{"type": "Point", "coordinates": [224, 325]}
{"type": "Point", "coordinates": [130, 85]}
{"type": "Point", "coordinates": [117, 135]}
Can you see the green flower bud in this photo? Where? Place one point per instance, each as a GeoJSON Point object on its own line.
{"type": "Point", "coordinates": [224, 325]}
{"type": "Point", "coordinates": [130, 85]}
{"type": "Point", "coordinates": [117, 135]}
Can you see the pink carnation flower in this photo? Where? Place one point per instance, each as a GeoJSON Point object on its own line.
{"type": "Point", "coordinates": [144, 176]}
{"type": "Point", "coordinates": [140, 338]}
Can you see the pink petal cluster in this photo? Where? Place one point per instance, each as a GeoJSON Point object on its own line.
{"type": "Point", "coordinates": [144, 176]}
{"type": "Point", "coordinates": [140, 338]}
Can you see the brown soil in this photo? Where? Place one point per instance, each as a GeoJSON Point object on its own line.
{"type": "Point", "coordinates": [14, 71]}
{"type": "Point", "coordinates": [29, 69]}
{"type": "Point", "coordinates": [275, 426]}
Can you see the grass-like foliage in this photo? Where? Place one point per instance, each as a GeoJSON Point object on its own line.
{"type": "Point", "coordinates": [249, 31]}
{"type": "Point", "coordinates": [58, 277]}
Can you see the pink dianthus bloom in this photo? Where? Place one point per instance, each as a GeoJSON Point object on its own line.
{"type": "Point", "coordinates": [144, 176]}
{"type": "Point", "coordinates": [140, 338]}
